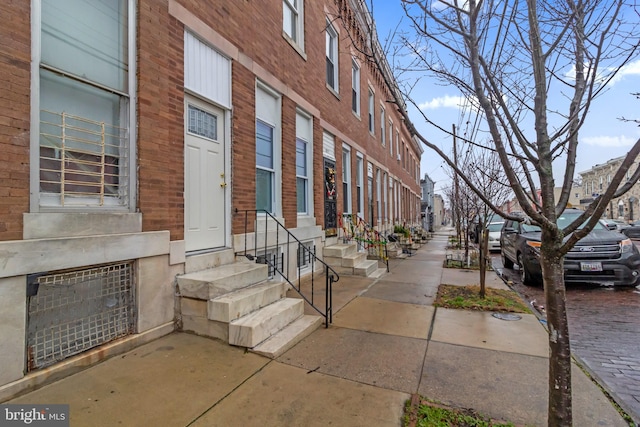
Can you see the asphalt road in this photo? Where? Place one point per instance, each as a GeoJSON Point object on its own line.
{"type": "Point", "coordinates": [604, 329]}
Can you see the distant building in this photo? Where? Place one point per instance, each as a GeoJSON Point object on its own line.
{"type": "Point", "coordinates": [439, 211]}
{"type": "Point", "coordinates": [596, 180]}
{"type": "Point", "coordinates": [427, 204]}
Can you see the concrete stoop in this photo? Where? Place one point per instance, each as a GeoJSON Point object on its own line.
{"type": "Point", "coordinates": [345, 259]}
{"type": "Point", "coordinates": [239, 305]}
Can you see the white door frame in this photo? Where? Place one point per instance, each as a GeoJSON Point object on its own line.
{"type": "Point", "coordinates": [226, 121]}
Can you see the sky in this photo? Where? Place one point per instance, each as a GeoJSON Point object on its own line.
{"type": "Point", "coordinates": [603, 137]}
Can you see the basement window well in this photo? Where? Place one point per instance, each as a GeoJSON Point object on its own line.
{"type": "Point", "coordinates": [73, 311]}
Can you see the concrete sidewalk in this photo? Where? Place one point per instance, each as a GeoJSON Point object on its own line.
{"type": "Point", "coordinates": [386, 343]}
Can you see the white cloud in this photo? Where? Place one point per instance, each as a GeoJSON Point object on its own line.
{"type": "Point", "coordinates": [443, 102]}
{"type": "Point", "coordinates": [608, 141]}
{"type": "Point", "coordinates": [631, 69]}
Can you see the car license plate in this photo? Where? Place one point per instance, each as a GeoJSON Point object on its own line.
{"type": "Point", "coordinates": [591, 266]}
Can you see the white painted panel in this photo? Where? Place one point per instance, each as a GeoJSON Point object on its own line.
{"type": "Point", "coordinates": [328, 146]}
{"type": "Point", "coordinates": [267, 108]}
{"type": "Point", "coordinates": [206, 72]}
{"type": "Point", "coordinates": [304, 126]}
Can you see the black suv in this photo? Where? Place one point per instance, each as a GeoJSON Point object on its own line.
{"type": "Point", "coordinates": [603, 257]}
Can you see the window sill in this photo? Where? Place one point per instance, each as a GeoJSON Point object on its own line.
{"type": "Point", "coordinates": [333, 91]}
{"type": "Point", "coordinates": [357, 115]}
{"type": "Point", "coordinates": [299, 49]}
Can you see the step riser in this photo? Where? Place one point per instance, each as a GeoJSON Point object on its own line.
{"type": "Point", "coordinates": [339, 251]}
{"type": "Point", "coordinates": [233, 306]}
{"type": "Point", "coordinates": [354, 260]}
{"type": "Point", "coordinates": [257, 327]}
{"type": "Point", "coordinates": [221, 282]}
{"type": "Point", "coordinates": [366, 269]}
{"type": "Point", "coordinates": [288, 337]}
{"type": "Point", "coordinates": [201, 262]}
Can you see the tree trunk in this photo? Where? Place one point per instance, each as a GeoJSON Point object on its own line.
{"type": "Point", "coordinates": [560, 407]}
{"type": "Point", "coordinates": [483, 257]}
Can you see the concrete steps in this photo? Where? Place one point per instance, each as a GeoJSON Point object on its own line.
{"type": "Point", "coordinates": [238, 304]}
{"type": "Point", "coordinates": [345, 259]}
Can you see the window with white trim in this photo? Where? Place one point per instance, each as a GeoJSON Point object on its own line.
{"type": "Point", "coordinates": [83, 135]}
{"type": "Point", "coordinates": [305, 255]}
{"type": "Point", "coordinates": [355, 87]}
{"type": "Point", "coordinates": [293, 21]}
{"type": "Point", "coordinates": [371, 112]}
{"type": "Point", "coordinates": [346, 179]}
{"type": "Point", "coordinates": [268, 148]}
{"type": "Point", "coordinates": [391, 136]}
{"type": "Point", "coordinates": [383, 132]}
{"type": "Point", "coordinates": [265, 169]}
{"type": "Point", "coordinates": [304, 168]}
{"type": "Point", "coordinates": [378, 195]}
{"type": "Point", "coordinates": [359, 184]}
{"type": "Point", "coordinates": [332, 56]}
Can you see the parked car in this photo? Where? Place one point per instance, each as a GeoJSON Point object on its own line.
{"type": "Point", "coordinates": [615, 224]}
{"type": "Point", "coordinates": [604, 256]}
{"type": "Point", "coordinates": [633, 231]}
{"type": "Point", "coordinates": [608, 223]}
{"type": "Point", "coordinates": [495, 230]}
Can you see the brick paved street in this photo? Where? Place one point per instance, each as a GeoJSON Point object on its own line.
{"type": "Point", "coordinates": [604, 326]}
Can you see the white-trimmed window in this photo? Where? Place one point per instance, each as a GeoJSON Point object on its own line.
{"type": "Point", "coordinates": [385, 200]}
{"type": "Point", "coordinates": [346, 179]}
{"type": "Point", "coordinates": [372, 112]}
{"type": "Point", "coordinates": [391, 136]}
{"type": "Point", "coordinates": [355, 87]}
{"type": "Point", "coordinates": [359, 184]}
{"type": "Point", "coordinates": [397, 141]}
{"type": "Point", "coordinates": [293, 20]}
{"type": "Point", "coordinates": [378, 196]}
{"type": "Point", "coordinates": [304, 168]}
{"type": "Point", "coordinates": [332, 56]}
{"type": "Point", "coordinates": [383, 131]}
{"type": "Point", "coordinates": [268, 148]}
{"type": "Point", "coordinates": [85, 63]}
{"type": "Point", "coordinates": [305, 255]}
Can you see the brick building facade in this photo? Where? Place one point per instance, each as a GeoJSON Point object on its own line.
{"type": "Point", "coordinates": [135, 133]}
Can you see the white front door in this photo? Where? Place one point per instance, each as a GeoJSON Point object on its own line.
{"type": "Point", "coordinates": [205, 180]}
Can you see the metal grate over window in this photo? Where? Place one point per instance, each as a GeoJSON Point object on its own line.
{"type": "Point", "coordinates": [71, 312]}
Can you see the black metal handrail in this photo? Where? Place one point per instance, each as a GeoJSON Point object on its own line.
{"type": "Point", "coordinates": [358, 230]}
{"type": "Point", "coordinates": [282, 268]}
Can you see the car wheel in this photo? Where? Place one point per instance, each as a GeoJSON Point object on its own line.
{"type": "Point", "coordinates": [525, 275]}
{"type": "Point", "coordinates": [506, 262]}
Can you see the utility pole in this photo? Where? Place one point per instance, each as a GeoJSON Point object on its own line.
{"type": "Point", "coordinates": [456, 194]}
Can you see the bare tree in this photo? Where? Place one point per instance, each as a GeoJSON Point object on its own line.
{"type": "Point", "coordinates": [506, 59]}
{"type": "Point", "coordinates": [485, 169]}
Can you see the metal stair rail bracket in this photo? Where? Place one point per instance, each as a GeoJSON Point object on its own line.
{"type": "Point", "coordinates": [281, 267]}
{"type": "Point", "coordinates": [368, 239]}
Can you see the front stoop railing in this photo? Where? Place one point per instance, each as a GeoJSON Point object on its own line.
{"type": "Point", "coordinates": [356, 229]}
{"type": "Point", "coordinates": [279, 262]}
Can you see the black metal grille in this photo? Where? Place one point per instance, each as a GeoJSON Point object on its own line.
{"type": "Point", "coordinates": [594, 252]}
{"type": "Point", "coordinates": [71, 312]}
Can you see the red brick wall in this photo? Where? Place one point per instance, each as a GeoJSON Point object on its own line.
{"type": "Point", "coordinates": [243, 183]}
{"type": "Point", "coordinates": [289, 189]}
{"type": "Point", "coordinates": [256, 29]}
{"type": "Point", "coordinates": [160, 40]}
{"type": "Point", "coordinates": [15, 63]}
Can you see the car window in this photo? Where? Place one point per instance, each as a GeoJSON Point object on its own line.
{"type": "Point", "coordinates": [528, 228]}
{"type": "Point", "coordinates": [568, 217]}
{"type": "Point", "coordinates": [495, 226]}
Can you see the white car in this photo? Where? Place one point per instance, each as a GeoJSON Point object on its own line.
{"type": "Point", "coordinates": [494, 235]}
